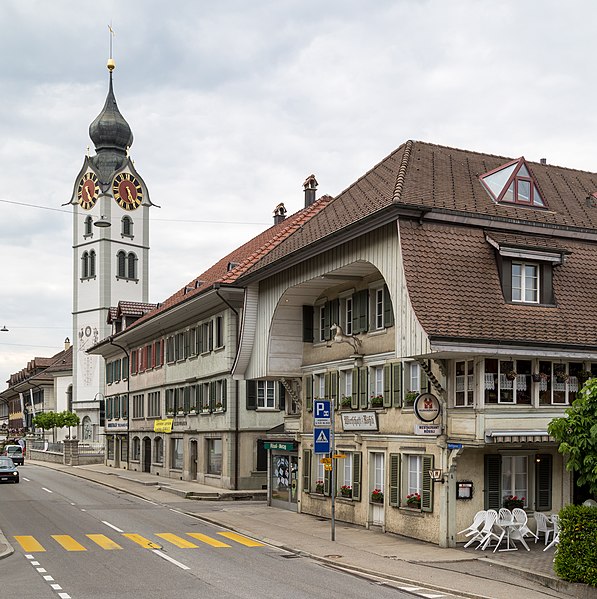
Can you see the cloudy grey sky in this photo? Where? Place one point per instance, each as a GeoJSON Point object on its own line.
{"type": "Point", "coordinates": [233, 103]}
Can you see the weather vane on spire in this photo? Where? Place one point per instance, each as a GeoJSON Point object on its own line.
{"type": "Point", "coordinates": [111, 63]}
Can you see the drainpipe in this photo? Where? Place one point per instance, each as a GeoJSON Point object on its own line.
{"type": "Point", "coordinates": [236, 403]}
{"type": "Point", "coordinates": [128, 406]}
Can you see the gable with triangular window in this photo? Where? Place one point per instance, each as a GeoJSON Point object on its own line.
{"type": "Point", "coordinates": [513, 183]}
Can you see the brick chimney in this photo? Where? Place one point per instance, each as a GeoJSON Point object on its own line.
{"type": "Point", "coordinates": [279, 213]}
{"type": "Point", "coordinates": [310, 186]}
{"type": "Point", "coordinates": [66, 344]}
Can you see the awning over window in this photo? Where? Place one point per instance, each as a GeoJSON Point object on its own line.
{"type": "Point", "coordinates": [517, 437]}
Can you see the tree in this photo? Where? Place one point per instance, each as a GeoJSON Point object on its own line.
{"type": "Point", "coordinates": [69, 419]}
{"type": "Point", "coordinates": [53, 420]}
{"type": "Point", "coordinates": [45, 420]}
{"type": "Point", "coordinates": [576, 433]}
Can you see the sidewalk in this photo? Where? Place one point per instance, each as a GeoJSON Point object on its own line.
{"type": "Point", "coordinates": [464, 572]}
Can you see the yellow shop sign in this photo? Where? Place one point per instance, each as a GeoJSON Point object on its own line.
{"type": "Point", "coordinates": [163, 426]}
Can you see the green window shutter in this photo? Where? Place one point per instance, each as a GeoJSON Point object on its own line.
{"type": "Point", "coordinates": [424, 381]}
{"type": "Point", "coordinates": [281, 397]}
{"type": "Point", "coordinates": [327, 482]}
{"type": "Point", "coordinates": [354, 401]}
{"type": "Point", "coordinates": [212, 395]}
{"type": "Point", "coordinates": [308, 316]}
{"type": "Point", "coordinates": [356, 475]}
{"type": "Point", "coordinates": [387, 386]}
{"type": "Point", "coordinates": [388, 309]}
{"type": "Point", "coordinates": [395, 479]}
{"type": "Point", "coordinates": [251, 391]}
{"type": "Point", "coordinates": [397, 384]}
{"type": "Point", "coordinates": [224, 394]}
{"type": "Point", "coordinates": [363, 389]}
{"type": "Point", "coordinates": [327, 321]}
{"type": "Point", "coordinates": [306, 471]}
{"type": "Point", "coordinates": [327, 385]}
{"type": "Point", "coordinates": [543, 476]}
{"type": "Point", "coordinates": [334, 312]}
{"type": "Point", "coordinates": [507, 279]}
{"type": "Point", "coordinates": [493, 482]}
{"type": "Point", "coordinates": [211, 335]}
{"type": "Point", "coordinates": [334, 378]}
{"type": "Point", "coordinates": [360, 318]}
{"type": "Point", "coordinates": [309, 392]}
{"type": "Point", "coordinates": [427, 487]}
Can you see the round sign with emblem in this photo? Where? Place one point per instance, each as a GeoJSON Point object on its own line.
{"type": "Point", "coordinates": [427, 407]}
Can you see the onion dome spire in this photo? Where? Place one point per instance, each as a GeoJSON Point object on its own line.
{"type": "Point", "coordinates": [110, 133]}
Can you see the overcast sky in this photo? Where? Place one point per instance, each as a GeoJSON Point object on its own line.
{"type": "Point", "coordinates": [233, 103]}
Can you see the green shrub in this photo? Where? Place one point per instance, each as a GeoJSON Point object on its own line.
{"type": "Point", "coordinates": [576, 555]}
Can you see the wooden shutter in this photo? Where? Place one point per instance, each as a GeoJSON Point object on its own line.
{"type": "Point", "coordinates": [308, 316]}
{"type": "Point", "coordinates": [306, 471]}
{"type": "Point", "coordinates": [427, 486]}
{"type": "Point", "coordinates": [360, 312]}
{"type": "Point", "coordinates": [327, 482]}
{"type": "Point", "coordinates": [363, 388]}
{"type": "Point", "coordinates": [388, 309]}
{"type": "Point", "coordinates": [281, 397]}
{"type": "Point", "coordinates": [334, 312]}
{"type": "Point", "coordinates": [424, 380]}
{"type": "Point", "coordinates": [387, 386]}
{"type": "Point", "coordinates": [224, 393]}
{"type": "Point", "coordinates": [211, 335]}
{"type": "Point", "coordinates": [327, 386]}
{"type": "Point", "coordinates": [543, 476]}
{"type": "Point", "coordinates": [212, 395]}
{"type": "Point", "coordinates": [354, 400]}
{"type": "Point", "coordinates": [507, 278]}
{"type": "Point", "coordinates": [493, 482]}
{"type": "Point", "coordinates": [395, 479]}
{"type": "Point", "coordinates": [327, 320]}
{"type": "Point", "coordinates": [397, 384]}
{"type": "Point", "coordinates": [309, 392]}
{"type": "Point", "coordinates": [334, 378]}
{"type": "Point", "coordinates": [251, 392]}
{"type": "Point", "coordinates": [546, 282]}
{"type": "Point", "coordinates": [356, 475]}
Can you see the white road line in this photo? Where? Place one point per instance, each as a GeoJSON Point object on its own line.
{"type": "Point", "coordinates": [112, 526]}
{"type": "Point", "coordinates": [182, 513]}
{"type": "Point", "coordinates": [56, 587]}
{"type": "Point", "coordinates": [83, 510]}
{"type": "Point", "coordinates": [431, 595]}
{"type": "Point", "coordinates": [35, 563]}
{"type": "Point", "coordinates": [171, 560]}
{"type": "Point", "coordinates": [47, 490]}
{"type": "Point", "coordinates": [29, 556]}
{"type": "Point", "coordinates": [147, 500]}
{"type": "Point", "coordinates": [48, 578]}
{"type": "Point", "coordinates": [40, 569]}
{"type": "Point", "coordinates": [64, 595]}
{"type": "Point", "coordinates": [26, 479]}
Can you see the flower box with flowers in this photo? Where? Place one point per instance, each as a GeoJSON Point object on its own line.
{"type": "Point", "coordinates": [346, 402]}
{"type": "Point", "coordinates": [413, 500]}
{"type": "Point", "coordinates": [377, 496]}
{"type": "Point", "coordinates": [346, 491]}
{"type": "Point", "coordinates": [319, 487]}
{"type": "Point", "coordinates": [513, 501]}
{"type": "Point", "coordinates": [376, 401]}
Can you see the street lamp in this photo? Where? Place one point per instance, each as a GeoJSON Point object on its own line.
{"type": "Point", "coordinates": [102, 222]}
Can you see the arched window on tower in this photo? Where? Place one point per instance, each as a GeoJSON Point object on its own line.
{"type": "Point", "coordinates": [85, 265]}
{"type": "Point", "coordinates": [88, 227]}
{"type": "Point", "coordinates": [127, 226]}
{"type": "Point", "coordinates": [92, 263]}
{"type": "Point", "coordinates": [121, 267]}
{"type": "Point", "coordinates": [132, 266]}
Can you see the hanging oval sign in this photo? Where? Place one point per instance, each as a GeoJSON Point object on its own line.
{"type": "Point", "coordinates": [427, 407]}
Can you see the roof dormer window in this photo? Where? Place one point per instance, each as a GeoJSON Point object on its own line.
{"type": "Point", "coordinates": [512, 183]}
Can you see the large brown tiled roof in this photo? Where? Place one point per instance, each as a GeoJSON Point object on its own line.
{"type": "Point", "coordinates": [446, 179]}
{"type": "Point", "coordinates": [454, 286]}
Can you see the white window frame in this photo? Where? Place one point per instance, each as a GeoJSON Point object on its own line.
{"type": "Point", "coordinates": [266, 395]}
{"type": "Point", "coordinates": [414, 474]}
{"type": "Point", "coordinates": [319, 386]}
{"type": "Point", "coordinates": [376, 379]}
{"type": "Point", "coordinates": [467, 381]}
{"type": "Point", "coordinates": [414, 376]}
{"type": "Point", "coordinates": [346, 470]}
{"type": "Point", "coordinates": [523, 292]}
{"type": "Point", "coordinates": [519, 464]}
{"type": "Point", "coordinates": [321, 323]}
{"type": "Point", "coordinates": [346, 382]}
{"type": "Point", "coordinates": [378, 298]}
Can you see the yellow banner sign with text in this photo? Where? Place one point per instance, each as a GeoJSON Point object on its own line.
{"type": "Point", "coordinates": [163, 426]}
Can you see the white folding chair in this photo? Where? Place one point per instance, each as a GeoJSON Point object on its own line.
{"type": "Point", "coordinates": [521, 516]}
{"type": "Point", "coordinates": [556, 532]}
{"type": "Point", "coordinates": [505, 514]}
{"type": "Point", "coordinates": [473, 529]}
{"type": "Point", "coordinates": [543, 526]}
{"type": "Point", "coordinates": [487, 532]}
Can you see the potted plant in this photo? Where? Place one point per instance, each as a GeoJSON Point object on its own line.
{"type": "Point", "coordinates": [319, 486]}
{"type": "Point", "coordinates": [561, 376]}
{"type": "Point", "coordinates": [376, 401]}
{"type": "Point", "coordinates": [512, 501]}
{"type": "Point", "coordinates": [377, 496]}
{"type": "Point", "coordinates": [511, 375]}
{"type": "Point", "coordinates": [583, 376]}
{"type": "Point", "coordinates": [218, 406]}
{"type": "Point", "coordinates": [346, 491]}
{"type": "Point", "coordinates": [414, 500]}
{"type": "Point", "coordinates": [346, 402]}
{"type": "Point", "coordinates": [540, 376]}
{"type": "Point", "coordinates": [409, 398]}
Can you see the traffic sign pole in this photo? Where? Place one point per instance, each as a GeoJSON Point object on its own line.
{"type": "Point", "coordinates": [333, 477]}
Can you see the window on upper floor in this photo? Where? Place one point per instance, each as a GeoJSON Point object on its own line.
{"type": "Point", "coordinates": [138, 406]}
{"type": "Point", "coordinates": [88, 227]}
{"type": "Point", "coordinates": [126, 265]}
{"type": "Point", "coordinates": [464, 383]}
{"type": "Point", "coordinates": [92, 263]}
{"type": "Point", "coordinates": [85, 265]}
{"type": "Point", "coordinates": [508, 381]}
{"type": "Point", "coordinates": [513, 183]}
{"type": "Point", "coordinates": [264, 395]}
{"type": "Point", "coordinates": [525, 282]}
{"type": "Point", "coordinates": [219, 331]}
{"type": "Point", "coordinates": [131, 266]}
{"type": "Point", "coordinates": [127, 226]}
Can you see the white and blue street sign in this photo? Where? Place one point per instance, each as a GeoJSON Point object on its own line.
{"type": "Point", "coordinates": [322, 440]}
{"type": "Point", "coordinates": [322, 412]}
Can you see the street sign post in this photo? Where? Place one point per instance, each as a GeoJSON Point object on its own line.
{"type": "Point", "coordinates": [322, 412]}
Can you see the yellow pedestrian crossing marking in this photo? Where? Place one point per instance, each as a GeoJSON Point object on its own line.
{"type": "Point", "coordinates": [146, 543]}
{"type": "Point", "coordinates": [207, 540]}
{"type": "Point", "coordinates": [176, 540]}
{"type": "Point", "coordinates": [240, 539]}
{"type": "Point", "coordinates": [104, 542]}
{"type": "Point", "coordinates": [29, 544]}
{"type": "Point", "coordinates": [68, 543]}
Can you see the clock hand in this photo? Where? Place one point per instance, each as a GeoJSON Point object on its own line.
{"type": "Point", "coordinates": [86, 190]}
{"type": "Point", "coordinates": [128, 191]}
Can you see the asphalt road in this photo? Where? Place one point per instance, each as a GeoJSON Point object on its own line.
{"type": "Point", "coordinates": [75, 539]}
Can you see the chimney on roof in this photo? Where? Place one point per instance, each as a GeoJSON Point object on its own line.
{"type": "Point", "coordinates": [310, 186]}
{"type": "Point", "coordinates": [66, 344]}
{"type": "Point", "coordinates": [279, 213]}
{"type": "Point", "coordinates": [543, 161]}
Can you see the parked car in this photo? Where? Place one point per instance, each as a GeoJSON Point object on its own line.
{"type": "Point", "coordinates": [15, 452]}
{"type": "Point", "coordinates": [8, 471]}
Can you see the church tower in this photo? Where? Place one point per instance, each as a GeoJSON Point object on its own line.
{"type": "Point", "coordinates": [110, 251]}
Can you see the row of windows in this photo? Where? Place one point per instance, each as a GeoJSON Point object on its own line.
{"type": "Point", "coordinates": [126, 226]}
{"type": "Point", "coordinates": [117, 370]}
{"type": "Point", "coordinates": [116, 407]}
{"type": "Point", "coordinates": [361, 312]}
{"type": "Point", "coordinates": [126, 265]}
{"type": "Point", "coordinates": [388, 385]}
{"type": "Point", "coordinates": [199, 340]}
{"type": "Point", "coordinates": [205, 397]}
{"type": "Point", "coordinates": [153, 408]}
{"type": "Point", "coordinates": [147, 357]}
{"type": "Point", "coordinates": [409, 481]}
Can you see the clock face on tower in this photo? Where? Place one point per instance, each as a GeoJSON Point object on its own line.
{"type": "Point", "coordinates": [88, 191]}
{"type": "Point", "coordinates": [127, 191]}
